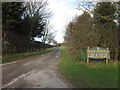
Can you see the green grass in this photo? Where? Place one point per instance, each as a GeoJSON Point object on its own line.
{"type": "Point", "coordinates": [18, 56]}
{"type": "Point", "coordinates": [93, 75]}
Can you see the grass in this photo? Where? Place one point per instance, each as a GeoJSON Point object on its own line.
{"type": "Point", "coordinates": [18, 56]}
{"type": "Point", "coordinates": [91, 75]}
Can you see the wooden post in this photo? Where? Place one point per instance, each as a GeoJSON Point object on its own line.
{"type": "Point", "coordinates": [87, 56]}
{"type": "Point", "coordinates": [107, 58]}
{"type": "Point", "coordinates": [87, 60]}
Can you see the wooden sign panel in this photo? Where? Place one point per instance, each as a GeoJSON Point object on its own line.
{"type": "Point", "coordinates": [98, 53]}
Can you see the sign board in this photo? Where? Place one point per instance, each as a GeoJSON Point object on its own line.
{"type": "Point", "coordinates": [98, 53]}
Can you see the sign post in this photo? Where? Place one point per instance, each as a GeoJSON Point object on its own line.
{"type": "Point", "coordinates": [87, 57]}
{"type": "Point", "coordinates": [98, 53]}
{"type": "Point", "coordinates": [107, 58]}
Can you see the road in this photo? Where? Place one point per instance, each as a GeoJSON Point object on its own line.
{"type": "Point", "coordinates": [35, 72]}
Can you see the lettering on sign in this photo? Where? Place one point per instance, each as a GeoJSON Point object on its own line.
{"type": "Point", "coordinates": [98, 52]}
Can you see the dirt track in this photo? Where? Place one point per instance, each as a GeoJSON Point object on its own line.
{"type": "Point", "coordinates": [35, 72]}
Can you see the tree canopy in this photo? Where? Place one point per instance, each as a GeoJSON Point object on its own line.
{"type": "Point", "coordinates": [11, 15]}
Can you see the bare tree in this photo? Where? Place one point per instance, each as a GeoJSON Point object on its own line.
{"type": "Point", "coordinates": [54, 42]}
{"type": "Point", "coordinates": [50, 37]}
{"type": "Point", "coordinates": [46, 31]}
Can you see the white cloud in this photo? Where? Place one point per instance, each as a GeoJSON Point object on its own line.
{"type": "Point", "coordinates": [63, 12]}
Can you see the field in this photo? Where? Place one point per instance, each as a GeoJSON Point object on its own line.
{"type": "Point", "coordinates": [18, 56]}
{"type": "Point", "coordinates": [93, 75]}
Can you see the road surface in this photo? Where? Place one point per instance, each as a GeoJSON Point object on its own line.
{"type": "Point", "coordinates": [35, 72]}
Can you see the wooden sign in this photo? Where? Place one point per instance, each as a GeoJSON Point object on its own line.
{"type": "Point", "coordinates": [98, 53]}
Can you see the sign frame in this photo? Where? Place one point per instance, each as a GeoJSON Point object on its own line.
{"type": "Point", "coordinates": [98, 53]}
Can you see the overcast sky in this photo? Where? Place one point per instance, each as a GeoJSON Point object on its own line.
{"type": "Point", "coordinates": [63, 11]}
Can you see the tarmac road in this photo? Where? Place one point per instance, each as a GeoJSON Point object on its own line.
{"type": "Point", "coordinates": [35, 72]}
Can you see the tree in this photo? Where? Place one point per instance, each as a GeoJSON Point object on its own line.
{"type": "Point", "coordinates": [106, 28]}
{"type": "Point", "coordinates": [104, 9]}
{"type": "Point", "coordinates": [11, 21]}
{"type": "Point", "coordinates": [46, 31]}
{"type": "Point", "coordinates": [11, 15]}
{"type": "Point", "coordinates": [32, 26]}
{"type": "Point", "coordinates": [50, 37]}
{"type": "Point", "coordinates": [79, 35]}
{"type": "Point", "coordinates": [117, 16]}
{"type": "Point", "coordinates": [36, 19]}
{"type": "Point", "coordinates": [54, 42]}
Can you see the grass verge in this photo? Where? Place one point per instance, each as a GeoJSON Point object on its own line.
{"type": "Point", "coordinates": [18, 56]}
{"type": "Point", "coordinates": [91, 75]}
